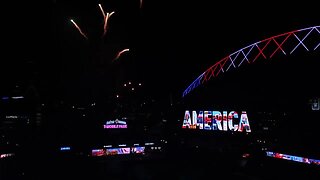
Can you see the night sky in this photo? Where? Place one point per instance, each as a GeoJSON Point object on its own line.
{"type": "Point", "coordinates": [171, 43]}
{"type": "Point", "coordinates": [71, 83]}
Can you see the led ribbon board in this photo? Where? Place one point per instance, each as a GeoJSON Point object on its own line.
{"type": "Point", "coordinates": [293, 158]}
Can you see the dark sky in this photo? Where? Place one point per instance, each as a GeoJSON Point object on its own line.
{"type": "Point", "coordinates": [171, 43]}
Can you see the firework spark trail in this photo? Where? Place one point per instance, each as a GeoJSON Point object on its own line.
{"type": "Point", "coordinates": [119, 54]}
{"type": "Point", "coordinates": [141, 3]}
{"type": "Point", "coordinates": [104, 15]}
{"type": "Point", "coordinates": [106, 23]}
{"type": "Point", "coordinates": [75, 24]}
{"type": "Point", "coordinates": [105, 18]}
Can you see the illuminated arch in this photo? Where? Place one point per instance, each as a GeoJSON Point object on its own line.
{"type": "Point", "coordinates": [249, 54]}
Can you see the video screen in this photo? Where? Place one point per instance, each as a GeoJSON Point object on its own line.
{"type": "Point", "coordinates": [138, 150]}
{"type": "Point", "coordinates": [98, 152]}
{"type": "Point", "coordinates": [116, 151]}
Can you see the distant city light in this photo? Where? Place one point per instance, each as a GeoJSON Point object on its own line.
{"type": "Point", "coordinates": [125, 85]}
{"type": "Point", "coordinates": [117, 96]}
{"type": "Point", "coordinates": [17, 97]}
{"type": "Point", "coordinates": [132, 89]}
{"type": "Point", "coordinates": [122, 145]}
{"type": "Point", "coordinates": [315, 105]}
{"type": "Point", "coordinates": [140, 84]}
{"type": "Point", "coordinates": [5, 98]}
{"type": "Point", "coordinates": [67, 148]}
{"type": "Point", "coordinates": [129, 82]}
{"type": "Point", "coordinates": [11, 117]}
{"type": "Point", "coordinates": [6, 155]}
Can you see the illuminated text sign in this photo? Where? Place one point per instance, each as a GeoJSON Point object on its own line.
{"type": "Point", "coordinates": [215, 120]}
{"type": "Point", "coordinates": [116, 124]}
